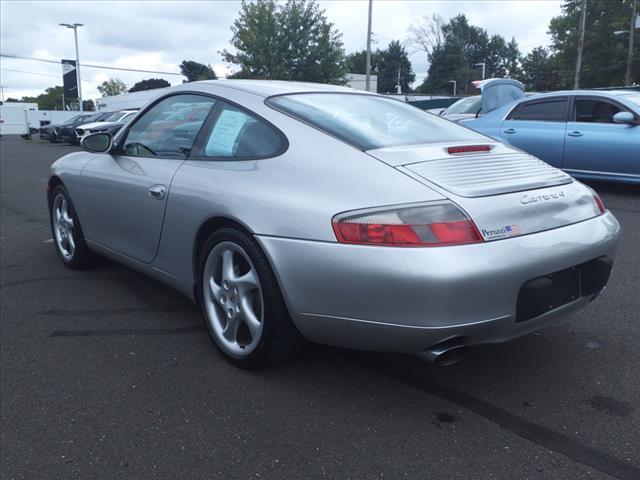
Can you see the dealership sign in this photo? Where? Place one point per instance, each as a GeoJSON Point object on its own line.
{"type": "Point", "coordinates": [69, 79]}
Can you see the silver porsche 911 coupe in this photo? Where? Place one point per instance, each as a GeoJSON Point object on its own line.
{"type": "Point", "coordinates": [289, 211]}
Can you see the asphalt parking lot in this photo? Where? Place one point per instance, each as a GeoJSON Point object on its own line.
{"type": "Point", "coordinates": [106, 373]}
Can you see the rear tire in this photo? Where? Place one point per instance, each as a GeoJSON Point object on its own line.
{"type": "Point", "coordinates": [241, 302]}
{"type": "Point", "coordinates": [68, 238]}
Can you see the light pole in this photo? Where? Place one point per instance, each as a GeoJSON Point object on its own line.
{"type": "Point", "coordinates": [75, 26]}
{"type": "Point", "coordinates": [628, 78]}
{"type": "Point", "coordinates": [583, 19]}
{"type": "Point", "coordinates": [483, 65]}
{"type": "Point", "coordinates": [368, 65]}
{"type": "Point", "coordinates": [455, 84]}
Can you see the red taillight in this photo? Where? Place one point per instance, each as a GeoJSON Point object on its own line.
{"type": "Point", "coordinates": [426, 225]}
{"type": "Point", "coordinates": [469, 149]}
{"type": "Point", "coordinates": [599, 203]}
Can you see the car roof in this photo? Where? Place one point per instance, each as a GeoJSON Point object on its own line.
{"type": "Point", "coordinates": [602, 93]}
{"type": "Point", "coordinates": [267, 88]}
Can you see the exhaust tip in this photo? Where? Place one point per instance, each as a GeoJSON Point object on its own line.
{"type": "Point", "coordinates": [446, 353]}
{"type": "Point", "coordinates": [451, 356]}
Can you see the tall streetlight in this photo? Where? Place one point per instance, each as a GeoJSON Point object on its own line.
{"type": "Point", "coordinates": [368, 64]}
{"type": "Point", "coordinates": [483, 65]}
{"type": "Point", "coordinates": [583, 20]}
{"type": "Point", "coordinates": [628, 78]}
{"type": "Point", "coordinates": [75, 26]}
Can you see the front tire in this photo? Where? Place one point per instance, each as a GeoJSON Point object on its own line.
{"type": "Point", "coordinates": [68, 238]}
{"type": "Point", "coordinates": [242, 303]}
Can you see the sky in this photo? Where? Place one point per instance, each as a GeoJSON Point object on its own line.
{"type": "Point", "coordinates": [158, 35]}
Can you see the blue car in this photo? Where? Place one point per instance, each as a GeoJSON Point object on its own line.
{"type": "Point", "coordinates": [589, 134]}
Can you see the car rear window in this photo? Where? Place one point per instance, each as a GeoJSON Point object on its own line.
{"type": "Point", "coordinates": [237, 134]}
{"type": "Point", "coordinates": [465, 105]}
{"type": "Point", "coordinates": [370, 121]}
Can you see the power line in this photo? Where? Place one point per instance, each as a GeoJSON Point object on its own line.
{"type": "Point", "coordinates": [21, 57]}
{"type": "Point", "coordinates": [41, 74]}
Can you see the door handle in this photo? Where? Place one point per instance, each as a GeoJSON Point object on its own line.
{"type": "Point", "coordinates": [575, 133]}
{"type": "Point", "coordinates": [510, 130]}
{"type": "Point", "coordinates": [157, 191]}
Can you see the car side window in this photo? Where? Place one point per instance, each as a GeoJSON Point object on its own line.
{"type": "Point", "coordinates": [593, 110]}
{"type": "Point", "coordinates": [238, 134]}
{"type": "Point", "coordinates": [552, 110]}
{"type": "Point", "coordinates": [169, 128]}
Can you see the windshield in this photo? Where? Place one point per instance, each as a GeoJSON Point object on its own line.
{"type": "Point", "coordinates": [465, 105]}
{"type": "Point", "coordinates": [94, 118]}
{"type": "Point", "coordinates": [114, 117]}
{"type": "Point", "coordinates": [78, 118]}
{"type": "Point", "coordinates": [127, 117]}
{"type": "Point", "coordinates": [632, 97]}
{"type": "Point", "coordinates": [370, 121]}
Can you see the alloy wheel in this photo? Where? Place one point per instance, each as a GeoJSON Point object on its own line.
{"type": "Point", "coordinates": [233, 299]}
{"type": "Point", "coordinates": [63, 227]}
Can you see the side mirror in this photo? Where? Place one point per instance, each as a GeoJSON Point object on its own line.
{"type": "Point", "coordinates": [100, 142]}
{"type": "Point", "coordinates": [624, 117]}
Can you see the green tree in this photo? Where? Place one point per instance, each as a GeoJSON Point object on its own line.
{"type": "Point", "coordinates": [149, 84]}
{"type": "Point", "coordinates": [286, 41]}
{"type": "Point", "coordinates": [88, 105]}
{"type": "Point", "coordinates": [356, 62]}
{"type": "Point", "coordinates": [456, 47]}
{"type": "Point", "coordinates": [386, 64]}
{"type": "Point", "coordinates": [111, 87]}
{"type": "Point", "coordinates": [393, 65]}
{"type": "Point", "coordinates": [540, 71]}
{"type": "Point", "coordinates": [462, 46]}
{"type": "Point", "coordinates": [50, 99]}
{"type": "Point", "coordinates": [195, 71]}
{"type": "Point", "coordinates": [604, 58]}
{"type": "Point", "coordinates": [503, 59]}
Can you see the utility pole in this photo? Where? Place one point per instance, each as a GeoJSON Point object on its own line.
{"type": "Point", "coordinates": [75, 26]}
{"type": "Point", "coordinates": [628, 79]}
{"type": "Point", "coordinates": [583, 20]}
{"type": "Point", "coordinates": [368, 66]}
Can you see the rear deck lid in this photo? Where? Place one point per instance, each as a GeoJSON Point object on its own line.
{"type": "Point", "coordinates": [476, 174]}
{"type": "Point", "coordinates": [505, 192]}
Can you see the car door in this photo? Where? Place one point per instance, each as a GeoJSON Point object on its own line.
{"type": "Point", "coordinates": [124, 193]}
{"type": "Point", "coordinates": [538, 127]}
{"type": "Point", "coordinates": [595, 144]}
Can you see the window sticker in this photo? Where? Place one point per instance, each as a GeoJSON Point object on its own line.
{"type": "Point", "coordinates": [224, 135]}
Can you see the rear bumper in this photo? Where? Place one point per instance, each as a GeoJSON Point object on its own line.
{"type": "Point", "coordinates": [407, 299]}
